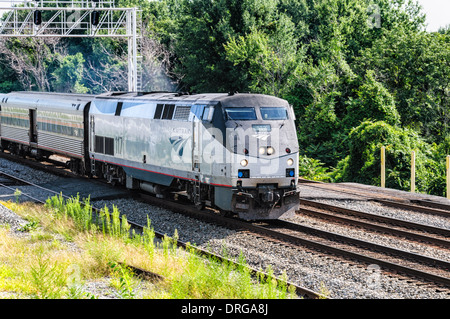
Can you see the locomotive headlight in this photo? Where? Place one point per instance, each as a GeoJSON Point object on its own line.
{"type": "Point", "coordinates": [270, 150]}
{"type": "Point", "coordinates": [262, 150]}
{"type": "Point", "coordinates": [290, 162]}
{"type": "Point", "coordinates": [244, 163]}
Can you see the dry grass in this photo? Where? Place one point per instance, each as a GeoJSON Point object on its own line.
{"type": "Point", "coordinates": [62, 250]}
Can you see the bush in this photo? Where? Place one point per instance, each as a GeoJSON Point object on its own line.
{"type": "Point", "coordinates": [312, 169]}
{"type": "Point", "coordinates": [363, 163]}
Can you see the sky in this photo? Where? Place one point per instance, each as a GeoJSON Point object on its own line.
{"type": "Point", "coordinates": [438, 13]}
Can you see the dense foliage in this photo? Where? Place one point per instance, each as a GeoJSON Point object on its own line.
{"type": "Point", "coordinates": [360, 74]}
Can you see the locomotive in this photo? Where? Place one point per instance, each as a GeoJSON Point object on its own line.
{"type": "Point", "coordinates": [234, 152]}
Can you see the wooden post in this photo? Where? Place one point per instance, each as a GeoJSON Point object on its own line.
{"type": "Point", "coordinates": [448, 176]}
{"type": "Point", "coordinates": [413, 172]}
{"type": "Point", "coordinates": [383, 166]}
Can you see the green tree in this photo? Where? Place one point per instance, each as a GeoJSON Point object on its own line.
{"type": "Point", "coordinates": [373, 102]}
{"type": "Point", "coordinates": [414, 67]}
{"type": "Point", "coordinates": [8, 79]}
{"type": "Point", "coordinates": [230, 43]}
{"type": "Point", "coordinates": [273, 62]}
{"type": "Point", "coordinates": [31, 59]}
{"type": "Point", "coordinates": [106, 65]}
{"type": "Point", "coordinates": [319, 123]}
{"type": "Point", "coordinates": [203, 28]}
{"type": "Point", "coordinates": [69, 75]}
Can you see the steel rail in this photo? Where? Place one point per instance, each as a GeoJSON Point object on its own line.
{"type": "Point", "coordinates": [357, 256]}
{"type": "Point", "coordinates": [421, 209]}
{"type": "Point", "coordinates": [262, 230]}
{"type": "Point", "coordinates": [301, 291]}
{"type": "Point", "coordinates": [428, 207]}
{"type": "Point", "coordinates": [382, 219]}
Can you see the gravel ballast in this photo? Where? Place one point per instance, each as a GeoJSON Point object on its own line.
{"type": "Point", "coordinates": [303, 267]}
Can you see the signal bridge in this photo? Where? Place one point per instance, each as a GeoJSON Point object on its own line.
{"type": "Point", "coordinates": [74, 18]}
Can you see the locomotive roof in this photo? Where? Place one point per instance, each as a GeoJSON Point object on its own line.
{"type": "Point", "coordinates": [163, 96]}
{"type": "Point", "coordinates": [70, 99]}
{"type": "Point", "coordinates": [227, 100]}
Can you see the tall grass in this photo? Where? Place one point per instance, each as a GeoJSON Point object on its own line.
{"type": "Point", "coordinates": [107, 242]}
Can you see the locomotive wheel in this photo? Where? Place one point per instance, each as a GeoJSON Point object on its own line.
{"type": "Point", "coordinates": [200, 206]}
{"type": "Point", "coordinates": [226, 213]}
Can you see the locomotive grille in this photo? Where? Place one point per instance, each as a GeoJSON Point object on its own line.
{"type": "Point", "coordinates": [182, 113]}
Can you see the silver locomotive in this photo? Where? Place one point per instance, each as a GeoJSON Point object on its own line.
{"type": "Point", "coordinates": [234, 152]}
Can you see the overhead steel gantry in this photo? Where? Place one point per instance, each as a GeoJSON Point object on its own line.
{"type": "Point", "coordinates": [76, 19]}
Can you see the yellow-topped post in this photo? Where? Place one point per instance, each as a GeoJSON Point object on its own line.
{"type": "Point", "coordinates": [383, 166]}
{"type": "Point", "coordinates": [448, 176]}
{"type": "Point", "coordinates": [413, 172]}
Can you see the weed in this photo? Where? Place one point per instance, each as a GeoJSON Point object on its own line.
{"type": "Point", "coordinates": [324, 291]}
{"type": "Point", "coordinates": [77, 292]}
{"type": "Point", "coordinates": [17, 194]}
{"type": "Point", "coordinates": [148, 239]}
{"type": "Point", "coordinates": [29, 226]}
{"type": "Point", "coordinates": [47, 279]}
{"type": "Point", "coordinates": [124, 281]}
{"type": "Point", "coordinates": [105, 240]}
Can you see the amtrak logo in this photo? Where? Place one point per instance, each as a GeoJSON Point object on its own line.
{"type": "Point", "coordinates": [178, 144]}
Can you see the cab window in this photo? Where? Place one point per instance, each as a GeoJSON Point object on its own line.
{"type": "Point", "coordinates": [274, 113]}
{"type": "Point", "coordinates": [241, 113]}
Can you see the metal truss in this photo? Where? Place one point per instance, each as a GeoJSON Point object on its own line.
{"type": "Point", "coordinates": [73, 18]}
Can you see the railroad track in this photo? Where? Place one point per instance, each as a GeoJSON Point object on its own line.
{"type": "Point", "coordinates": [393, 227]}
{"type": "Point", "coordinates": [13, 183]}
{"type": "Point", "coordinates": [390, 200]}
{"type": "Point", "coordinates": [55, 166]}
{"type": "Point", "coordinates": [397, 261]}
{"type": "Point", "coordinates": [395, 264]}
{"type": "Point", "coordinates": [9, 181]}
{"type": "Point", "coordinates": [387, 225]}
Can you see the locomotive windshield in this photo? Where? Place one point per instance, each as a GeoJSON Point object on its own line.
{"type": "Point", "coordinates": [274, 113]}
{"type": "Point", "coordinates": [241, 113]}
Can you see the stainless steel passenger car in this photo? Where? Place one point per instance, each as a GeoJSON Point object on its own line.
{"type": "Point", "coordinates": [41, 124]}
{"type": "Point", "coordinates": [235, 152]}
